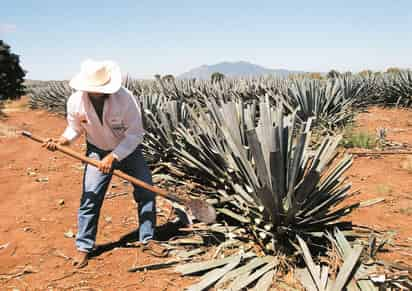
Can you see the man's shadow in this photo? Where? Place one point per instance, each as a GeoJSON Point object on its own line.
{"type": "Point", "coordinates": [163, 232]}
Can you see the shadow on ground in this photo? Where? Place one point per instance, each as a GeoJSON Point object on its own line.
{"type": "Point", "coordinates": [163, 232]}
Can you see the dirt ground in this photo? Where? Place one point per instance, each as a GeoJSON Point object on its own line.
{"type": "Point", "coordinates": [40, 193]}
{"type": "Point", "coordinates": [388, 177]}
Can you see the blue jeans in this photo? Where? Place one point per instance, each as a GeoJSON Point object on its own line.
{"type": "Point", "coordinates": [95, 185]}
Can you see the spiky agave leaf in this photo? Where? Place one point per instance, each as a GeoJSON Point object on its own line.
{"type": "Point", "coordinates": [325, 101]}
{"type": "Point", "coordinates": [51, 96]}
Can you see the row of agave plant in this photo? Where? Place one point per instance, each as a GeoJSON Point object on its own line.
{"type": "Point", "coordinates": [329, 101]}
{"type": "Point", "coordinates": [247, 144]}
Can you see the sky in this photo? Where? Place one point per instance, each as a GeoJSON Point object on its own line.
{"type": "Point", "coordinates": [162, 37]}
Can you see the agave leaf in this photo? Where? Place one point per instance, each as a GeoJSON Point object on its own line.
{"type": "Point", "coordinates": [265, 282]}
{"type": "Point", "coordinates": [324, 276]}
{"type": "Point", "coordinates": [240, 284]}
{"type": "Point", "coordinates": [248, 268]}
{"type": "Point", "coordinates": [305, 278]}
{"type": "Point", "coordinates": [347, 268]}
{"type": "Point", "coordinates": [233, 215]}
{"type": "Point", "coordinates": [192, 268]}
{"type": "Point", "coordinates": [312, 268]}
{"type": "Point", "coordinates": [257, 153]}
{"type": "Point", "coordinates": [211, 277]}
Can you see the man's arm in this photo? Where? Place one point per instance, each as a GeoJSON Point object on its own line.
{"type": "Point", "coordinates": [74, 128]}
{"type": "Point", "coordinates": [72, 131]}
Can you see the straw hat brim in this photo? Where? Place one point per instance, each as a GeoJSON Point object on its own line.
{"type": "Point", "coordinates": [79, 83]}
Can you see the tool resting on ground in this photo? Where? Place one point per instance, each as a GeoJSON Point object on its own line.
{"type": "Point", "coordinates": [200, 209]}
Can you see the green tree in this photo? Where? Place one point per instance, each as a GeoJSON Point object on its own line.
{"type": "Point", "coordinates": [11, 74]}
{"type": "Point", "coordinates": [217, 77]}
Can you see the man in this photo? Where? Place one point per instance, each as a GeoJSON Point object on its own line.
{"type": "Point", "coordinates": [110, 117]}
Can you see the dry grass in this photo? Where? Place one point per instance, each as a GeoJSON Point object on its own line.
{"type": "Point", "coordinates": [20, 105]}
{"type": "Point", "coordinates": [358, 139]}
{"type": "Point", "coordinates": [406, 211]}
{"type": "Point", "coordinates": [384, 189]}
{"type": "Point", "coordinates": [406, 164]}
{"type": "Point", "coordinates": [7, 131]}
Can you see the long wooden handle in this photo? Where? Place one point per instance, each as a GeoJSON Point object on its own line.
{"type": "Point", "coordinates": [117, 173]}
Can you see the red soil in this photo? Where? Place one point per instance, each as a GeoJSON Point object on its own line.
{"type": "Point", "coordinates": [389, 177]}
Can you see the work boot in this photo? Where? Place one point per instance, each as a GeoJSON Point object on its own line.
{"type": "Point", "coordinates": [80, 260]}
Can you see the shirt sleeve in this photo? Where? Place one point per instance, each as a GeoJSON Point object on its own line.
{"type": "Point", "coordinates": [74, 128]}
{"type": "Point", "coordinates": [134, 132]}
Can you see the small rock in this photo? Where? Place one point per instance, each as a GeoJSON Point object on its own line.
{"type": "Point", "coordinates": [27, 229]}
{"type": "Point", "coordinates": [31, 172]}
{"type": "Point", "coordinates": [61, 202]}
{"type": "Point", "coordinates": [108, 219]}
{"type": "Point", "coordinates": [4, 246]}
{"type": "Point", "coordinates": [42, 180]}
{"type": "Point", "coordinates": [69, 234]}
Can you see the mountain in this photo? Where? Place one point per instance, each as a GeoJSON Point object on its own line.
{"type": "Point", "coordinates": [234, 69]}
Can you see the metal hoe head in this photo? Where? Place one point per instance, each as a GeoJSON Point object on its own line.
{"type": "Point", "coordinates": [202, 210]}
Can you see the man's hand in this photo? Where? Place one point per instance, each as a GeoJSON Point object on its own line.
{"type": "Point", "coordinates": [106, 164]}
{"type": "Point", "coordinates": [51, 143]}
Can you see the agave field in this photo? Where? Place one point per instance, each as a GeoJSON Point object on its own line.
{"type": "Point", "coordinates": [247, 147]}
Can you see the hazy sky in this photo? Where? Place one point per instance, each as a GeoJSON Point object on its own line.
{"type": "Point", "coordinates": [149, 37]}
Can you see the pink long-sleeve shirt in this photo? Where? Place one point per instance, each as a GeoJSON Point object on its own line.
{"type": "Point", "coordinates": [121, 131]}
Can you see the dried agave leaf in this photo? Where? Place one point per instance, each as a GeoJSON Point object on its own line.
{"type": "Point", "coordinates": [265, 282]}
{"type": "Point", "coordinates": [240, 284]}
{"type": "Point", "coordinates": [347, 268]}
{"type": "Point", "coordinates": [246, 269]}
{"type": "Point", "coordinates": [312, 268]}
{"type": "Point", "coordinates": [211, 277]}
{"type": "Point", "coordinates": [193, 268]}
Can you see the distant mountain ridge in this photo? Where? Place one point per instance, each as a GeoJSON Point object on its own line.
{"type": "Point", "coordinates": [235, 69]}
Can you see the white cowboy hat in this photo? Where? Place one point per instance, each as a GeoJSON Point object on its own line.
{"type": "Point", "coordinates": [95, 76]}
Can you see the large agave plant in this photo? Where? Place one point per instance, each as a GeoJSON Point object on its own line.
{"type": "Point", "coordinates": [263, 171]}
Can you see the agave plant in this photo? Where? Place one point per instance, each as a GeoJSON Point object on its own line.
{"type": "Point", "coordinates": [272, 182]}
{"type": "Point", "coordinates": [398, 88]}
{"type": "Point", "coordinates": [253, 156]}
{"type": "Point", "coordinates": [51, 96]}
{"type": "Point", "coordinates": [326, 102]}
